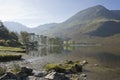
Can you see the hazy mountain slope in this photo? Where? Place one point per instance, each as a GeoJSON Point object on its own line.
{"type": "Point", "coordinates": [15, 26]}
{"type": "Point", "coordinates": [18, 27]}
{"type": "Point", "coordinates": [43, 28]}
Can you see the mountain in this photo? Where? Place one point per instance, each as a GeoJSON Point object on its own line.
{"type": "Point", "coordinates": [96, 12]}
{"type": "Point", "coordinates": [15, 26]}
{"type": "Point", "coordinates": [43, 28]}
{"type": "Point", "coordinates": [18, 27]}
{"type": "Point", "coordinates": [96, 21]}
{"type": "Point", "coordinates": [117, 12]}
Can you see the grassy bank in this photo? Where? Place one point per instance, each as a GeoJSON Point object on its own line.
{"type": "Point", "coordinates": [8, 57]}
{"type": "Point", "coordinates": [11, 49]}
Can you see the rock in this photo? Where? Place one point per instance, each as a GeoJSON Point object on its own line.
{"type": "Point", "coordinates": [24, 73]}
{"type": "Point", "coordinates": [35, 78]}
{"type": "Point", "coordinates": [9, 76]}
{"type": "Point", "coordinates": [83, 75]}
{"type": "Point", "coordinates": [83, 62]}
{"type": "Point", "coordinates": [50, 75]}
{"type": "Point", "coordinates": [75, 77]}
{"type": "Point", "coordinates": [69, 62]}
{"type": "Point", "coordinates": [56, 76]}
{"type": "Point", "coordinates": [96, 65]}
{"type": "Point", "coordinates": [68, 71]}
{"type": "Point", "coordinates": [76, 68]}
{"type": "Point", "coordinates": [26, 70]}
{"type": "Point", "coordinates": [40, 74]}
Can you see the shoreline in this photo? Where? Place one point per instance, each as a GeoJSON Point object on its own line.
{"type": "Point", "coordinates": [93, 72]}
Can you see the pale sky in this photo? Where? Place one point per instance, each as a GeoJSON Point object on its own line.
{"type": "Point", "coordinates": [37, 12]}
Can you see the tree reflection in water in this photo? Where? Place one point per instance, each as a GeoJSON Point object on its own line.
{"type": "Point", "coordinates": [47, 50]}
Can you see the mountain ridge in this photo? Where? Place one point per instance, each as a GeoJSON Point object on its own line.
{"type": "Point", "coordinates": [86, 23]}
{"type": "Point", "coordinates": [87, 17]}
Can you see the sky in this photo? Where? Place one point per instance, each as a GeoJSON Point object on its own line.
{"type": "Point", "coordinates": [33, 13]}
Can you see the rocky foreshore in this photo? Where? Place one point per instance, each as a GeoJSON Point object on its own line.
{"type": "Point", "coordinates": [55, 73]}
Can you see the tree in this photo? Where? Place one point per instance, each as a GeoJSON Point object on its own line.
{"type": "Point", "coordinates": [13, 35]}
{"type": "Point", "coordinates": [8, 38]}
{"type": "Point", "coordinates": [24, 37]}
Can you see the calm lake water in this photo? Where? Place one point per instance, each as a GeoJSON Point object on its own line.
{"type": "Point", "coordinates": [108, 59]}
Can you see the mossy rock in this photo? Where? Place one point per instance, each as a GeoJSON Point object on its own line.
{"type": "Point", "coordinates": [71, 67]}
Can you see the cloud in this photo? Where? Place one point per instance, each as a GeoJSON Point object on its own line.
{"type": "Point", "coordinates": [10, 11]}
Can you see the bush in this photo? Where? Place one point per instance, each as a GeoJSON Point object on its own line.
{"type": "Point", "coordinates": [12, 43]}
{"type": "Point", "coordinates": [2, 42]}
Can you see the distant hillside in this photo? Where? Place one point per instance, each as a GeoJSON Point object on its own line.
{"type": "Point", "coordinates": [43, 28]}
{"type": "Point", "coordinates": [18, 27]}
{"type": "Point", "coordinates": [15, 26]}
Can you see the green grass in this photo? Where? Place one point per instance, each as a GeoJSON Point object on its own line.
{"type": "Point", "coordinates": [66, 66]}
{"type": "Point", "coordinates": [11, 49]}
{"type": "Point", "coordinates": [7, 57]}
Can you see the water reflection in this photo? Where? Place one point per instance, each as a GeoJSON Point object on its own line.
{"type": "Point", "coordinates": [108, 59]}
{"type": "Point", "coordinates": [105, 55]}
{"type": "Point", "coordinates": [47, 50]}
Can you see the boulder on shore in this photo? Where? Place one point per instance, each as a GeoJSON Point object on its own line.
{"type": "Point", "coordinates": [84, 62]}
{"type": "Point", "coordinates": [9, 76]}
{"type": "Point", "coordinates": [56, 76]}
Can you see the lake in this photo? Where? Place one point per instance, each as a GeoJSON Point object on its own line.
{"type": "Point", "coordinates": [106, 57]}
